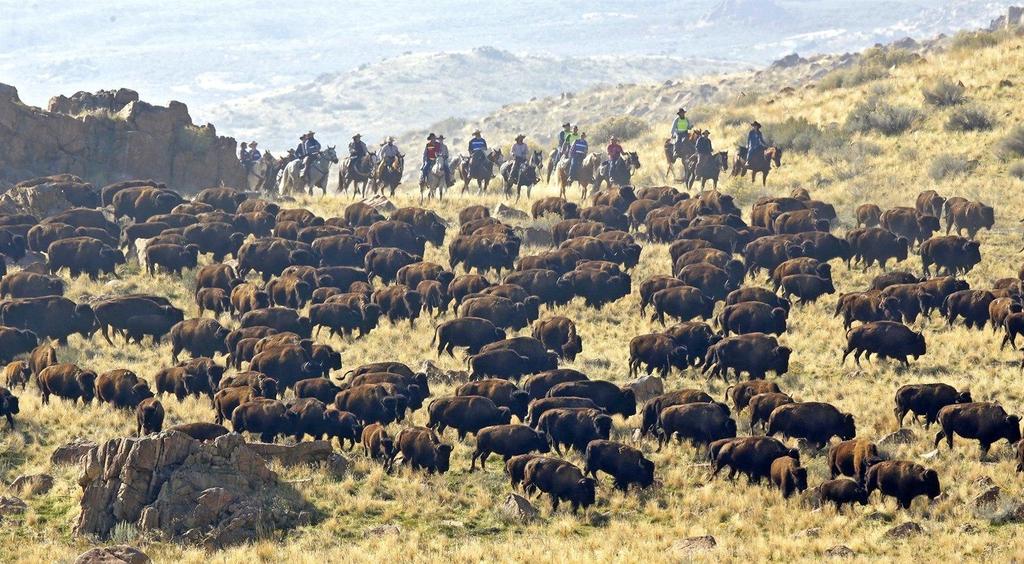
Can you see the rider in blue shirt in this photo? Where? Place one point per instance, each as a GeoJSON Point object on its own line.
{"type": "Point", "coordinates": [577, 153]}
{"type": "Point", "coordinates": [755, 140]}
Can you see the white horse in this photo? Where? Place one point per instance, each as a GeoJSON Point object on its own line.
{"type": "Point", "coordinates": [314, 177]}
{"type": "Point", "coordinates": [256, 177]}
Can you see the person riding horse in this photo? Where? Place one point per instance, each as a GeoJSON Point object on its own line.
{"type": "Point", "coordinates": [577, 154]}
{"type": "Point", "coordinates": [389, 151]}
{"type": "Point", "coordinates": [680, 130]}
{"type": "Point", "coordinates": [477, 151]}
{"type": "Point", "coordinates": [755, 143]}
{"type": "Point", "coordinates": [357, 151]}
{"type": "Point", "coordinates": [704, 148]}
{"type": "Point", "coordinates": [429, 156]}
{"type": "Point", "coordinates": [614, 151]}
{"type": "Point", "coordinates": [562, 135]}
{"type": "Point", "coordinates": [520, 153]}
{"type": "Point", "coordinates": [308, 150]}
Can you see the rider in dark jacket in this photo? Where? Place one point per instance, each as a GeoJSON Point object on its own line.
{"type": "Point", "coordinates": [577, 153]}
{"type": "Point", "coordinates": [357, 151]}
{"type": "Point", "coordinates": [755, 141]}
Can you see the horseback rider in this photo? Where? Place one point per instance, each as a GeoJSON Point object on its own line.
{"type": "Point", "coordinates": [520, 153]}
{"type": "Point", "coordinates": [704, 148]}
{"type": "Point", "coordinates": [310, 151]}
{"type": "Point", "coordinates": [429, 156]}
{"type": "Point", "coordinates": [577, 154]}
{"type": "Point", "coordinates": [477, 148]}
{"type": "Point", "coordinates": [565, 132]}
{"type": "Point", "coordinates": [755, 141]}
{"type": "Point", "coordinates": [614, 151]}
{"type": "Point", "coordinates": [357, 151]}
{"type": "Point", "coordinates": [243, 152]}
{"type": "Point", "coordinates": [569, 139]}
{"type": "Point", "coordinates": [254, 154]}
{"type": "Point", "coordinates": [389, 151]}
{"type": "Point", "coordinates": [442, 153]}
{"type": "Point", "coordinates": [680, 128]}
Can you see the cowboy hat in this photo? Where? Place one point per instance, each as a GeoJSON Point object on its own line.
{"type": "Point", "coordinates": [520, 137]}
{"type": "Point", "coordinates": [755, 124]}
{"type": "Point", "coordinates": [244, 144]}
{"type": "Point", "coordinates": [431, 137]}
{"type": "Point", "coordinates": [613, 138]}
{"type": "Point", "coordinates": [310, 133]}
{"type": "Point", "coordinates": [681, 111]}
{"type": "Point", "coordinates": [566, 124]}
{"type": "Point", "coordinates": [390, 139]}
{"type": "Point", "coordinates": [440, 136]}
{"type": "Point", "coordinates": [303, 136]}
{"type": "Point", "coordinates": [357, 136]}
{"type": "Point", "coordinates": [476, 132]}
{"type": "Point", "coordinates": [706, 132]}
{"type": "Point", "coordinates": [253, 143]}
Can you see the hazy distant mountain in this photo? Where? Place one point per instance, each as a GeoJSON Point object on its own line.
{"type": "Point", "coordinates": [409, 91]}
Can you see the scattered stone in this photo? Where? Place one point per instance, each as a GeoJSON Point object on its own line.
{"type": "Point", "coordinates": [988, 498]}
{"type": "Point", "coordinates": [119, 554]}
{"type": "Point", "coordinates": [813, 532]}
{"type": "Point", "coordinates": [215, 494]}
{"type": "Point", "coordinates": [306, 452]}
{"type": "Point", "coordinates": [381, 204]}
{"type": "Point", "coordinates": [11, 506]}
{"type": "Point", "coordinates": [336, 466]}
{"type": "Point", "coordinates": [982, 483]}
{"type": "Point", "coordinates": [72, 453]}
{"type": "Point", "coordinates": [506, 212]}
{"type": "Point", "coordinates": [1005, 83]}
{"type": "Point", "coordinates": [902, 437]}
{"type": "Point", "coordinates": [840, 551]}
{"type": "Point", "coordinates": [31, 484]}
{"type": "Point", "coordinates": [904, 531]}
{"type": "Point", "coordinates": [646, 387]}
{"type": "Point", "coordinates": [535, 237]}
{"type": "Point", "coordinates": [519, 508]}
{"type": "Point", "coordinates": [437, 374]}
{"type": "Point", "coordinates": [383, 530]}
{"type": "Point", "coordinates": [691, 545]}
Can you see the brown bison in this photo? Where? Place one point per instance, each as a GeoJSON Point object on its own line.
{"type": "Point", "coordinates": [927, 400]}
{"type": "Point", "coordinates": [752, 456]}
{"type": "Point", "coordinates": [559, 334]}
{"type": "Point", "coordinates": [658, 351]}
{"type": "Point", "coordinates": [952, 253]}
{"type": "Point", "coordinates": [752, 317]}
{"type": "Point", "coordinates": [852, 457]}
{"type": "Point", "coordinates": [507, 440]}
{"type": "Point", "coordinates": [624, 463]}
{"type": "Point", "coordinates": [149, 417]}
{"type": "Point", "coordinates": [561, 480]}
{"type": "Point", "coordinates": [887, 339]}
{"type": "Point", "coordinates": [608, 396]}
{"type": "Point", "coordinates": [466, 414]}
{"type": "Point", "coordinates": [866, 307]}
{"type": "Point", "coordinates": [754, 353]}
{"type": "Point", "coordinates": [762, 405]}
{"type": "Point", "coordinates": [788, 475]}
{"type": "Point", "coordinates": [815, 421]}
{"type": "Point", "coordinates": [700, 422]}
{"type": "Point", "coordinates": [422, 448]}
{"type": "Point", "coordinates": [67, 381]}
{"type": "Point", "coordinates": [984, 421]}
{"type": "Point", "coordinates": [903, 480]}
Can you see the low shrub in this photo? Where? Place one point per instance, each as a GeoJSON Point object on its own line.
{"type": "Point", "coordinates": [944, 92]}
{"type": "Point", "coordinates": [947, 165]}
{"type": "Point", "coordinates": [969, 118]}
{"type": "Point", "coordinates": [1012, 146]}
{"type": "Point", "coordinates": [877, 115]}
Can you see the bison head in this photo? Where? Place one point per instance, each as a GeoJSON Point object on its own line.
{"type": "Point", "coordinates": [87, 383]}
{"type": "Point", "coordinates": [519, 404]}
{"type": "Point", "coordinates": [848, 428]}
{"type": "Point", "coordinates": [800, 477]}
{"type": "Point", "coordinates": [267, 388]}
{"type": "Point", "coordinates": [140, 392]}
{"type": "Point", "coordinates": [780, 357]}
{"type": "Point", "coordinates": [930, 479]}
{"type": "Point", "coordinates": [9, 403]}
{"type": "Point", "coordinates": [779, 315]}
{"type": "Point", "coordinates": [964, 397]}
{"type": "Point", "coordinates": [504, 416]}
{"type": "Point", "coordinates": [988, 216]}
{"type": "Point", "coordinates": [442, 458]}
{"type": "Point", "coordinates": [1011, 429]}
{"type": "Point", "coordinates": [678, 357]}
{"type": "Point", "coordinates": [603, 426]}
{"type": "Point", "coordinates": [585, 492]}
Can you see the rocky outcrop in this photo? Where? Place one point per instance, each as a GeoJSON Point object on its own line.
{"type": "Point", "coordinates": [118, 554]}
{"type": "Point", "coordinates": [111, 136]}
{"type": "Point", "coordinates": [72, 452]}
{"type": "Point", "coordinates": [216, 494]}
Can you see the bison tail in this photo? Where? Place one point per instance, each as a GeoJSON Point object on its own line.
{"type": "Point", "coordinates": [726, 398]}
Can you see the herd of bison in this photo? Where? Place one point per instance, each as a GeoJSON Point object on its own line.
{"type": "Point", "coordinates": [294, 274]}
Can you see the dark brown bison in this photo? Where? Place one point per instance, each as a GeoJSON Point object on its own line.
{"type": "Point", "coordinates": [597, 287]}
{"type": "Point", "coordinates": [886, 279]}
{"type": "Point", "coordinates": [422, 448]}
{"type": "Point", "coordinates": [752, 317]}
{"type": "Point", "coordinates": [658, 351]}
{"type": "Point", "coordinates": [653, 407]}
{"type": "Point", "coordinates": [508, 441]}
{"type": "Point", "coordinates": [843, 491]}
{"type": "Point", "coordinates": [927, 400]}
{"type": "Point", "coordinates": [25, 284]}
{"type": "Point", "coordinates": [887, 339]}
{"type": "Point", "coordinates": [574, 426]}
{"type": "Point", "coordinates": [951, 253]}
{"type": "Point", "coordinates": [281, 319]}
{"type": "Point", "coordinates": [200, 337]}
{"type": "Point", "coordinates": [67, 381]}
{"type": "Point", "coordinates": [398, 303]}
{"type": "Point", "coordinates": [972, 216]}
{"type": "Point", "coordinates": [700, 422]}
{"type": "Point", "coordinates": [122, 389]}
{"type": "Point", "coordinates": [8, 406]}
{"type": "Point", "coordinates": [762, 405]}
{"type": "Point", "coordinates": [910, 224]}
{"type": "Point", "coordinates": [807, 287]}
{"type": "Point", "coordinates": [742, 392]}
{"type": "Point", "coordinates": [715, 283]}
{"type": "Point", "coordinates": [14, 342]}
{"type": "Point", "coordinates": [378, 445]}
{"type": "Point", "coordinates": [815, 421]}
{"type": "Point", "coordinates": [385, 262]}
{"type": "Point", "coordinates": [466, 414]}
{"type": "Point", "coordinates": [752, 456]}
{"type": "Point", "coordinates": [200, 431]}
{"type": "Point", "coordinates": [539, 384]}
{"type": "Point", "coordinates": [929, 202]}
{"type": "Point", "coordinates": [788, 475]}
{"type": "Point", "coordinates": [539, 358]}
{"type": "Point", "coordinates": [874, 244]}
{"type": "Point", "coordinates": [868, 215]}
{"type": "Point", "coordinates": [695, 337]}
{"type": "Point", "coordinates": [852, 458]}
{"type": "Point", "coordinates": [559, 334]}
{"type": "Point", "coordinates": [903, 480]}
{"type": "Point", "coordinates": [171, 258]}
{"type": "Point", "coordinates": [754, 353]}
{"type": "Point", "coordinates": [470, 332]}
{"type": "Point", "coordinates": [610, 397]}
{"type": "Point", "coordinates": [502, 392]}
{"type": "Point", "coordinates": [624, 463]}
{"type": "Point", "coordinates": [149, 417]}
{"type": "Point", "coordinates": [972, 305]}
{"type": "Point", "coordinates": [561, 480]}
{"type": "Point", "coordinates": [683, 302]}
{"type": "Point", "coordinates": [866, 307]}
{"type": "Point", "coordinates": [82, 255]}
{"type": "Point", "coordinates": [265, 417]}
{"type": "Point", "coordinates": [54, 317]}
{"type": "Point", "coordinates": [984, 421]}
{"type": "Point", "coordinates": [502, 312]}
{"type": "Point", "coordinates": [503, 363]}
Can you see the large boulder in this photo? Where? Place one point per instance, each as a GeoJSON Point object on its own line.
{"type": "Point", "coordinates": [118, 554]}
{"type": "Point", "coordinates": [72, 452]}
{"type": "Point", "coordinates": [32, 484]}
{"type": "Point", "coordinates": [216, 494]}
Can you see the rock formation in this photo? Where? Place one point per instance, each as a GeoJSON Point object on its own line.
{"type": "Point", "coordinates": [215, 494]}
{"type": "Point", "coordinates": [111, 136]}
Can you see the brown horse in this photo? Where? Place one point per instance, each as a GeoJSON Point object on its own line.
{"type": "Point", "coordinates": [679, 152]}
{"type": "Point", "coordinates": [482, 172]}
{"type": "Point", "coordinates": [358, 175]}
{"type": "Point", "coordinates": [709, 169]}
{"type": "Point", "coordinates": [758, 162]}
{"type": "Point", "coordinates": [388, 175]}
{"type": "Point", "coordinates": [585, 175]}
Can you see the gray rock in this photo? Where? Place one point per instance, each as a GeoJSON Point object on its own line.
{"type": "Point", "coordinates": [840, 551]}
{"type": "Point", "coordinates": [988, 498]}
{"type": "Point", "coordinates": [72, 452]}
{"type": "Point", "coordinates": [519, 508]}
{"type": "Point", "coordinates": [646, 387]}
{"type": "Point", "coordinates": [506, 212]}
{"type": "Point", "coordinates": [10, 506]}
{"type": "Point", "coordinates": [336, 466]}
{"type": "Point", "coordinates": [904, 531]}
{"type": "Point", "coordinates": [215, 494]}
{"type": "Point", "coordinates": [32, 484]}
{"type": "Point", "coordinates": [691, 545]}
{"type": "Point", "coordinates": [437, 374]}
{"type": "Point", "coordinates": [903, 436]}
{"type": "Point", "coordinates": [306, 452]}
{"type": "Point", "coordinates": [383, 530]}
{"type": "Point", "coordinates": [119, 554]}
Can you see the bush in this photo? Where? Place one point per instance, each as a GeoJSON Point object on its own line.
{"type": "Point", "coordinates": [944, 92]}
{"type": "Point", "coordinates": [853, 76]}
{"type": "Point", "coordinates": [1012, 146]}
{"type": "Point", "coordinates": [975, 40]}
{"type": "Point", "coordinates": [969, 118]}
{"type": "Point", "coordinates": [735, 120]}
{"type": "Point", "coordinates": [875, 114]}
{"type": "Point", "coordinates": [623, 127]}
{"type": "Point", "coordinates": [1017, 170]}
{"type": "Point", "coordinates": [946, 165]}
{"type": "Point", "coordinates": [802, 136]}
{"type": "Point", "coordinates": [888, 57]}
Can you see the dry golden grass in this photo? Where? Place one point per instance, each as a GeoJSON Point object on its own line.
{"type": "Point", "coordinates": [454, 517]}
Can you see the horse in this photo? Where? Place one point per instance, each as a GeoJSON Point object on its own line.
{"type": "Point", "coordinates": [260, 176]}
{"type": "Point", "coordinates": [622, 175]}
{"type": "Point", "coordinates": [759, 162]}
{"type": "Point", "coordinates": [315, 175]}
{"type": "Point", "coordinates": [435, 181]}
{"type": "Point", "coordinates": [585, 174]}
{"type": "Point", "coordinates": [553, 161]}
{"type": "Point", "coordinates": [388, 175]}
{"type": "Point", "coordinates": [356, 174]}
{"type": "Point", "coordinates": [529, 175]}
{"type": "Point", "coordinates": [480, 169]}
{"type": "Point", "coordinates": [707, 170]}
{"type": "Point", "coordinates": [680, 151]}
